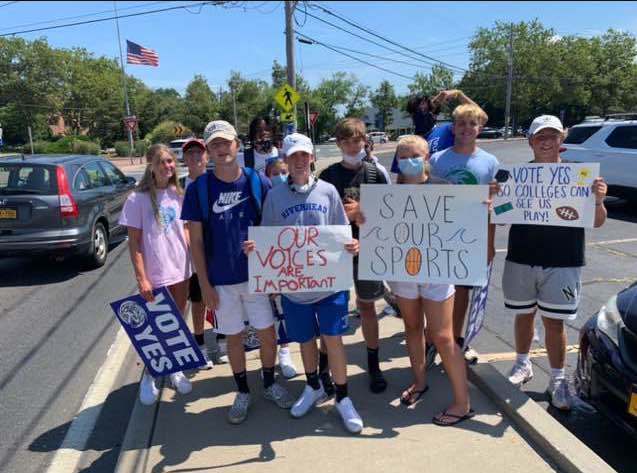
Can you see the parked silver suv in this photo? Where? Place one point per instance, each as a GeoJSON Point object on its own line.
{"type": "Point", "coordinates": [611, 142]}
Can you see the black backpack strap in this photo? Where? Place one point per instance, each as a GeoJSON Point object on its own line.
{"type": "Point", "coordinates": [370, 172]}
{"type": "Point", "coordinates": [248, 158]}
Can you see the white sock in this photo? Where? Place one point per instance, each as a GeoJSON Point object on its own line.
{"type": "Point", "coordinates": [284, 351]}
{"type": "Point", "coordinates": [558, 373]}
{"type": "Point", "coordinates": [522, 359]}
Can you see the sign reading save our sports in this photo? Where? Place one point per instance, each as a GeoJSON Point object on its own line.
{"type": "Point", "coordinates": [158, 333]}
{"type": "Point", "coordinates": [424, 233]}
{"type": "Point", "coordinates": [300, 259]}
{"type": "Point", "coordinates": [557, 194]}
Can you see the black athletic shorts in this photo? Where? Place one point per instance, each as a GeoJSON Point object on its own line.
{"type": "Point", "coordinates": [194, 291]}
{"type": "Point", "coordinates": [367, 291]}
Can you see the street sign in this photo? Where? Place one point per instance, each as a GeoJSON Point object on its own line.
{"type": "Point", "coordinates": [179, 130]}
{"type": "Point", "coordinates": [313, 117]}
{"type": "Point", "coordinates": [131, 122]}
{"type": "Point", "coordinates": [287, 117]}
{"type": "Point", "coordinates": [286, 97]}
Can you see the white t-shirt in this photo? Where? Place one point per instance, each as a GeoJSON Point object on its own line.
{"type": "Point", "coordinates": [259, 159]}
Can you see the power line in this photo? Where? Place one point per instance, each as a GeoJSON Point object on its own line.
{"type": "Point", "coordinates": [354, 57]}
{"type": "Point", "coordinates": [370, 32]}
{"type": "Point", "coordinates": [98, 20]}
{"type": "Point", "coordinates": [6, 4]}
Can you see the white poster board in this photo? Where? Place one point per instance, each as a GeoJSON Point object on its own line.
{"type": "Point", "coordinates": [424, 233]}
{"type": "Point", "coordinates": [300, 259]}
{"type": "Point", "coordinates": [547, 194]}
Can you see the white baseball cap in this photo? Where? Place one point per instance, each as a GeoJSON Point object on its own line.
{"type": "Point", "coordinates": [297, 142]}
{"type": "Point", "coordinates": [219, 129]}
{"type": "Point", "coordinates": [545, 121]}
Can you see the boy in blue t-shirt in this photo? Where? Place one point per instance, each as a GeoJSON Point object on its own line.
{"type": "Point", "coordinates": [465, 163]}
{"type": "Point", "coordinates": [218, 228]}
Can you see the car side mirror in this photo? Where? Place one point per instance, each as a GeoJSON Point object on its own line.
{"type": "Point", "coordinates": [131, 180]}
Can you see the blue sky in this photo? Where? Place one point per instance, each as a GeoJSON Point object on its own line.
{"type": "Point", "coordinates": [248, 36]}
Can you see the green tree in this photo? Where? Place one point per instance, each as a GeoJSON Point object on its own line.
{"type": "Point", "coordinates": [384, 99]}
{"type": "Point", "coordinates": [440, 78]}
{"type": "Point", "coordinates": [199, 105]}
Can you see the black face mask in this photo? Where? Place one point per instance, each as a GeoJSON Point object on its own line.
{"type": "Point", "coordinates": [263, 146]}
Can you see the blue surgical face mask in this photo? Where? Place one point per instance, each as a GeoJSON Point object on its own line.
{"type": "Point", "coordinates": [411, 167]}
{"type": "Point", "coordinates": [279, 179]}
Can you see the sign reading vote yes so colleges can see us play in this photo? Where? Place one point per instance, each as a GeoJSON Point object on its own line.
{"type": "Point", "coordinates": [300, 259]}
{"type": "Point", "coordinates": [158, 333]}
{"type": "Point", "coordinates": [558, 194]}
{"type": "Point", "coordinates": [424, 233]}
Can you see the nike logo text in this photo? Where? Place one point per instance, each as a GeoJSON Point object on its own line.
{"type": "Point", "coordinates": [226, 201]}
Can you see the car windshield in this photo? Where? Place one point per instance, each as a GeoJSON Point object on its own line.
{"type": "Point", "coordinates": [25, 179]}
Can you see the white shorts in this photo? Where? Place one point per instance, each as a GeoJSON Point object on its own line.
{"type": "Point", "coordinates": [412, 290]}
{"type": "Point", "coordinates": [236, 304]}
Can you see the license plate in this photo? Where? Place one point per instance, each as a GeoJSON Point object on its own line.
{"type": "Point", "coordinates": [8, 214]}
{"type": "Point", "coordinates": [632, 404]}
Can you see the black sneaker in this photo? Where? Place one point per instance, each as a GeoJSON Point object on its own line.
{"type": "Point", "coordinates": [377, 382]}
{"type": "Point", "coordinates": [326, 381]}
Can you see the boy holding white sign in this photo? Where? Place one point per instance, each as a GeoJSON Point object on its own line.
{"type": "Point", "coordinates": [466, 163]}
{"type": "Point", "coordinates": [543, 271]}
{"type": "Point", "coordinates": [305, 200]}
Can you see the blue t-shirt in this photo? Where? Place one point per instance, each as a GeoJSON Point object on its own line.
{"type": "Point", "coordinates": [439, 139]}
{"type": "Point", "coordinates": [477, 168]}
{"type": "Point", "coordinates": [231, 211]}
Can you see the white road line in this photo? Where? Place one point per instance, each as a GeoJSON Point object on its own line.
{"type": "Point", "coordinates": [592, 243]}
{"type": "Point", "coordinates": [68, 455]}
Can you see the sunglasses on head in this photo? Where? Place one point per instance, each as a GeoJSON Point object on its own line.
{"type": "Point", "coordinates": [263, 145]}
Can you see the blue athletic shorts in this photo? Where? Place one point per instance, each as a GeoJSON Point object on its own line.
{"type": "Point", "coordinates": [325, 317]}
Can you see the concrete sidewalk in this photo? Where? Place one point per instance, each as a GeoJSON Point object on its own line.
{"type": "Point", "coordinates": [190, 433]}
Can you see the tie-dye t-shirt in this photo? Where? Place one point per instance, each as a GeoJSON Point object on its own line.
{"type": "Point", "coordinates": [477, 168]}
{"type": "Point", "coordinates": [166, 254]}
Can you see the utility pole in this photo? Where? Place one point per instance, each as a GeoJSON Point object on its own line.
{"type": "Point", "coordinates": [234, 108]}
{"type": "Point", "coordinates": [507, 108]}
{"type": "Point", "coordinates": [289, 48]}
{"type": "Point", "coordinates": [121, 60]}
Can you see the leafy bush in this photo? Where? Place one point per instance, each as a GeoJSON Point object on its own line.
{"type": "Point", "coordinates": [141, 146]}
{"type": "Point", "coordinates": [165, 132]}
{"type": "Point", "coordinates": [85, 147]}
{"type": "Point", "coordinates": [64, 145]}
{"type": "Point", "coordinates": [121, 148]}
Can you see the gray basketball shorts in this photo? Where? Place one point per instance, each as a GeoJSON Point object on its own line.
{"type": "Point", "coordinates": [555, 292]}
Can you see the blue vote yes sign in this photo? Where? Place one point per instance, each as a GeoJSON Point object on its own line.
{"type": "Point", "coordinates": [159, 333]}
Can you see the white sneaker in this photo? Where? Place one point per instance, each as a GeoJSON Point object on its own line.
{"type": "Point", "coordinates": [239, 409]}
{"type": "Point", "coordinates": [279, 395]}
{"type": "Point", "coordinates": [148, 392]}
{"type": "Point", "coordinates": [222, 351]}
{"type": "Point", "coordinates": [285, 363]}
{"type": "Point", "coordinates": [520, 373]}
{"type": "Point", "coordinates": [351, 419]}
{"type": "Point", "coordinates": [560, 395]}
{"type": "Point", "coordinates": [209, 364]}
{"type": "Point", "coordinates": [308, 398]}
{"type": "Point", "coordinates": [180, 382]}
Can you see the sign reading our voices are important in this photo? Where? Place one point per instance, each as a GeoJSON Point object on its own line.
{"type": "Point", "coordinates": [300, 259]}
{"type": "Point", "coordinates": [424, 233]}
{"type": "Point", "coordinates": [557, 194]}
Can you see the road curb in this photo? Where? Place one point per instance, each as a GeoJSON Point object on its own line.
{"type": "Point", "coordinates": [135, 449]}
{"type": "Point", "coordinates": [553, 439]}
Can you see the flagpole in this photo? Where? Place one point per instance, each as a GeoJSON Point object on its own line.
{"type": "Point", "coordinates": [121, 60]}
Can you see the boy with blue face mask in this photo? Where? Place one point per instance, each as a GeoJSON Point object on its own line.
{"type": "Point", "coordinates": [355, 169]}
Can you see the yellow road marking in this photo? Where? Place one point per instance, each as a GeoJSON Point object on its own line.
{"type": "Point", "coordinates": [510, 356]}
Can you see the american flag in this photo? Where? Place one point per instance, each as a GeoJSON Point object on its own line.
{"type": "Point", "coordinates": [136, 54]}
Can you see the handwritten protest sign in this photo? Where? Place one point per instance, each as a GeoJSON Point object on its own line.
{"type": "Point", "coordinates": [300, 259]}
{"type": "Point", "coordinates": [424, 233]}
{"type": "Point", "coordinates": [547, 194]}
{"type": "Point", "coordinates": [158, 333]}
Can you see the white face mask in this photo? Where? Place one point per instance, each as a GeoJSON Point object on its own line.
{"type": "Point", "coordinates": [303, 189]}
{"type": "Point", "coordinates": [355, 159]}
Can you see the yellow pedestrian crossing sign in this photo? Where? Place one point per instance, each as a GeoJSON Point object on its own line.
{"type": "Point", "coordinates": [287, 117]}
{"type": "Point", "coordinates": [286, 97]}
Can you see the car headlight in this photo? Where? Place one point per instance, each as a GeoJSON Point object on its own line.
{"type": "Point", "coordinates": [609, 322]}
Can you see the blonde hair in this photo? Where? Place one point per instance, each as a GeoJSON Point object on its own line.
{"type": "Point", "coordinates": [147, 183]}
{"type": "Point", "coordinates": [470, 111]}
{"type": "Point", "coordinates": [419, 142]}
{"type": "Point", "coordinates": [350, 128]}
{"type": "Point", "coordinates": [277, 163]}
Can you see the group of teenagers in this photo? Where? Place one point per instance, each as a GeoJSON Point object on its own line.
{"type": "Point", "coordinates": [195, 242]}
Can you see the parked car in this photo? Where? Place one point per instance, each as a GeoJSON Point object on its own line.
{"type": "Point", "coordinates": [60, 205]}
{"type": "Point", "coordinates": [606, 373]}
{"type": "Point", "coordinates": [613, 144]}
{"type": "Point", "coordinates": [331, 139]}
{"type": "Point", "coordinates": [378, 136]}
{"type": "Point", "coordinates": [490, 133]}
{"type": "Point", "coordinates": [176, 145]}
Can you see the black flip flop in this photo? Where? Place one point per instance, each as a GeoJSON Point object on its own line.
{"type": "Point", "coordinates": [436, 420]}
{"type": "Point", "coordinates": [411, 400]}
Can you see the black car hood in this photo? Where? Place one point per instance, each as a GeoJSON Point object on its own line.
{"type": "Point", "coordinates": [627, 307]}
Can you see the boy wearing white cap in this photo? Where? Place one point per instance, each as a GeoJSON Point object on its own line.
{"type": "Point", "coordinates": [305, 200]}
{"type": "Point", "coordinates": [220, 206]}
{"type": "Point", "coordinates": [542, 273]}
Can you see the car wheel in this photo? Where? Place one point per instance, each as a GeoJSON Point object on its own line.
{"type": "Point", "coordinates": [584, 373]}
{"type": "Point", "coordinates": [99, 246]}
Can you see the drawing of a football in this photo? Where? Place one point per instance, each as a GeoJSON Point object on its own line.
{"type": "Point", "coordinates": [567, 213]}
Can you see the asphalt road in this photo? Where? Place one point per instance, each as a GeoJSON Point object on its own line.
{"type": "Point", "coordinates": [55, 330]}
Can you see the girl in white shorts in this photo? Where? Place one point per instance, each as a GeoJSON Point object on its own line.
{"type": "Point", "coordinates": [433, 300]}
